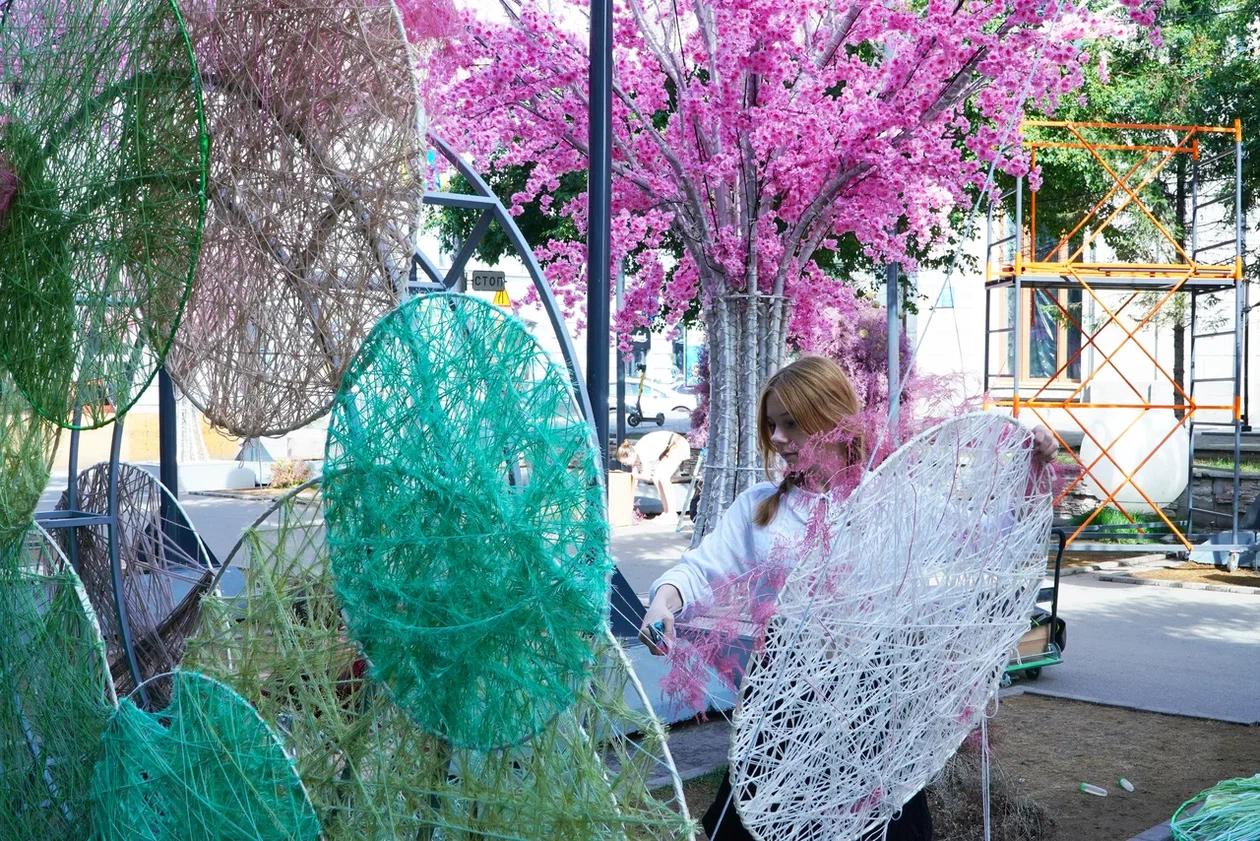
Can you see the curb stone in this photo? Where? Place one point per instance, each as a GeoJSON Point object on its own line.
{"type": "Point", "coordinates": [1147, 561]}
{"type": "Point", "coordinates": [243, 497]}
{"type": "Point", "coordinates": [1180, 585]}
{"type": "Point", "coordinates": [1163, 832]}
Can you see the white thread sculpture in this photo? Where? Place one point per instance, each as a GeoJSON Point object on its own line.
{"type": "Point", "coordinates": [891, 633]}
{"type": "Point", "coordinates": [314, 201]}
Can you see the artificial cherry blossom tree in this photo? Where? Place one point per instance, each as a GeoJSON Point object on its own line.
{"type": "Point", "coordinates": [750, 135]}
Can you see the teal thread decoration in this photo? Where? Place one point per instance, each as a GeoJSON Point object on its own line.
{"type": "Point", "coordinates": [55, 695]}
{"type": "Point", "coordinates": [1228, 811]}
{"type": "Point", "coordinates": [466, 521]}
{"type": "Point", "coordinates": [205, 767]}
{"type": "Point", "coordinates": [371, 773]}
{"type": "Point", "coordinates": [104, 153]}
{"type": "Point", "coordinates": [27, 443]}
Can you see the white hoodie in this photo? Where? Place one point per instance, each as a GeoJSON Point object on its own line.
{"type": "Point", "coordinates": [739, 546]}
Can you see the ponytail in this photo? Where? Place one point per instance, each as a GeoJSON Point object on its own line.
{"type": "Point", "coordinates": [768, 508]}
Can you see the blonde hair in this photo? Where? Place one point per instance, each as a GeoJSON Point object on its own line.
{"type": "Point", "coordinates": [625, 451]}
{"type": "Point", "coordinates": [818, 395]}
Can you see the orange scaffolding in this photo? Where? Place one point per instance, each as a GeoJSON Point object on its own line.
{"type": "Point", "coordinates": [1049, 281]}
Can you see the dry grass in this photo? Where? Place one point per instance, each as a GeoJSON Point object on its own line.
{"type": "Point", "coordinates": [958, 811]}
{"type": "Point", "coordinates": [955, 799]}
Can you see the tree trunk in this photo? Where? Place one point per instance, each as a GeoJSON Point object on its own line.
{"type": "Point", "coordinates": [746, 338]}
{"type": "Point", "coordinates": [750, 382]}
{"type": "Point", "coordinates": [1179, 365]}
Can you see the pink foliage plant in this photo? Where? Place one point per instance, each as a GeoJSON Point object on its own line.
{"type": "Point", "coordinates": [754, 132]}
{"type": "Point", "coordinates": [735, 620]}
{"type": "Point", "coordinates": [835, 462]}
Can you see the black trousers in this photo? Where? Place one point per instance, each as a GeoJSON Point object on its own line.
{"type": "Point", "coordinates": [913, 824]}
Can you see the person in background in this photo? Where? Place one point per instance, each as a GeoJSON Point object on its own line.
{"type": "Point", "coordinates": [655, 458]}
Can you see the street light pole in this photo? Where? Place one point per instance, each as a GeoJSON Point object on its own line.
{"type": "Point", "coordinates": [892, 276]}
{"type": "Point", "coordinates": [621, 368]}
{"type": "Point", "coordinates": [599, 189]}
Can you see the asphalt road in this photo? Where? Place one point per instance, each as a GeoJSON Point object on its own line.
{"type": "Point", "coordinates": [1179, 651]}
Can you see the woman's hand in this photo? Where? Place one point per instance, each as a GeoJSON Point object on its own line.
{"type": "Point", "coordinates": [667, 602]}
{"type": "Point", "coordinates": [1045, 445]}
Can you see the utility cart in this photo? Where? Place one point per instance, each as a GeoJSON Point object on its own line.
{"type": "Point", "coordinates": [1043, 643]}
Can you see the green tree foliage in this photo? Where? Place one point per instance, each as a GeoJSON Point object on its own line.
{"type": "Point", "coordinates": [1204, 71]}
{"type": "Point", "coordinates": [453, 225]}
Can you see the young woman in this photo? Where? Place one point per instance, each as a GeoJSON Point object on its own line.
{"type": "Point", "coordinates": [801, 407]}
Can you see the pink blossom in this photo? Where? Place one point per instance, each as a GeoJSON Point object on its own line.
{"type": "Point", "coordinates": [762, 128]}
{"type": "Point", "coordinates": [1034, 178]}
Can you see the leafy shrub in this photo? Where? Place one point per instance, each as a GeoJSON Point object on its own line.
{"type": "Point", "coordinates": [288, 472]}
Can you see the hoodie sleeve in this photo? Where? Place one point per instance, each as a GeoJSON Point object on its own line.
{"type": "Point", "coordinates": [726, 552]}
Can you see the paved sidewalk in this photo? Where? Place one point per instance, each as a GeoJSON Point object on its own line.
{"type": "Point", "coordinates": [645, 550]}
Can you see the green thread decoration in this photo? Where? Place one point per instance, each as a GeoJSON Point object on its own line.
{"type": "Point", "coordinates": [466, 521]}
{"type": "Point", "coordinates": [102, 133]}
{"type": "Point", "coordinates": [55, 695]}
{"type": "Point", "coordinates": [372, 775]}
{"type": "Point", "coordinates": [27, 444]}
{"type": "Point", "coordinates": [1228, 811]}
{"type": "Point", "coordinates": [205, 767]}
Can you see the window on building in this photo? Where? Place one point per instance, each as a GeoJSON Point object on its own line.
{"type": "Point", "coordinates": [687, 348]}
{"type": "Point", "coordinates": [1048, 320]}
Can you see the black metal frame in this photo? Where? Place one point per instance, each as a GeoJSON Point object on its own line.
{"type": "Point", "coordinates": [626, 610]}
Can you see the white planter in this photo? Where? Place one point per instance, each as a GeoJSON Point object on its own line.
{"type": "Point", "coordinates": [240, 477]}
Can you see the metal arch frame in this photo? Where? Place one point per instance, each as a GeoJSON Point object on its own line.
{"type": "Point", "coordinates": [492, 210]}
{"type": "Point", "coordinates": [626, 610]}
{"type": "Point", "coordinates": [73, 518]}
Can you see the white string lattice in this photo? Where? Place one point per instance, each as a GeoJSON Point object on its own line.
{"type": "Point", "coordinates": [891, 633]}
